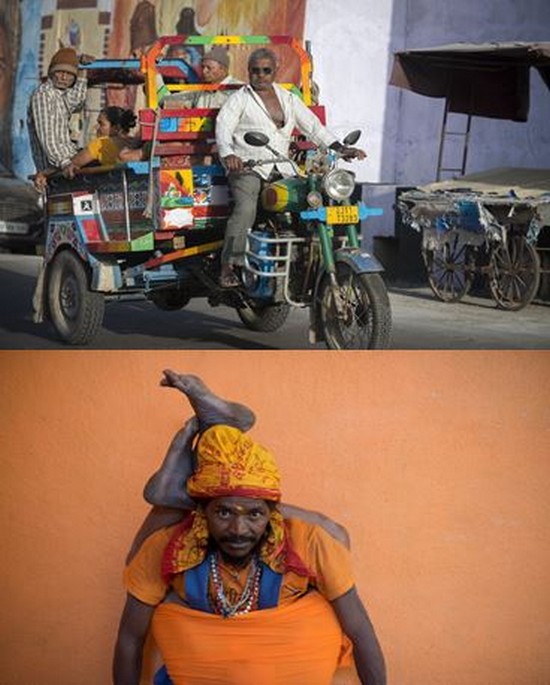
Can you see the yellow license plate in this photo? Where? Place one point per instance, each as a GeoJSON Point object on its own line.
{"type": "Point", "coordinates": [347, 214]}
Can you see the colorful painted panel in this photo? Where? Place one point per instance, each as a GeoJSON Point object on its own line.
{"type": "Point", "coordinates": [176, 198]}
{"type": "Point", "coordinates": [185, 124]}
{"type": "Point", "coordinates": [63, 233]}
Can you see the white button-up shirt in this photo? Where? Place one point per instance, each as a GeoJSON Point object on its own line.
{"type": "Point", "coordinates": [245, 111]}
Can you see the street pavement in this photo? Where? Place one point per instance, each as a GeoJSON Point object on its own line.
{"type": "Point", "coordinates": [419, 322]}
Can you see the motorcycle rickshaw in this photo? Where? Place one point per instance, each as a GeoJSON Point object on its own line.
{"type": "Point", "coordinates": [154, 229]}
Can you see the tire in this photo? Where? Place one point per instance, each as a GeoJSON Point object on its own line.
{"type": "Point", "coordinates": [366, 319]}
{"type": "Point", "coordinates": [450, 268]}
{"type": "Point", "coordinates": [169, 300]}
{"type": "Point", "coordinates": [514, 273]}
{"type": "Point", "coordinates": [264, 318]}
{"type": "Point", "coordinates": [75, 311]}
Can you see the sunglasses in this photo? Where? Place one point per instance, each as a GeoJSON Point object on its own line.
{"type": "Point", "coordinates": [261, 70]}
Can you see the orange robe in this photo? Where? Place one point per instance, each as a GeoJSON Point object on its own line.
{"type": "Point", "coordinates": [299, 642]}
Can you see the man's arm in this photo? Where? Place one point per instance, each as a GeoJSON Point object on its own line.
{"type": "Point", "coordinates": [48, 131]}
{"type": "Point", "coordinates": [226, 123]}
{"type": "Point", "coordinates": [310, 125]}
{"type": "Point", "coordinates": [75, 97]}
{"type": "Point", "coordinates": [132, 631]}
{"type": "Point", "coordinates": [356, 624]}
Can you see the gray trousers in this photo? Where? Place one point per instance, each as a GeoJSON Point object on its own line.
{"type": "Point", "coordinates": [245, 188]}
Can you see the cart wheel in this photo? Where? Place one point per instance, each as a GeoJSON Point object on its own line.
{"type": "Point", "coordinates": [169, 300]}
{"type": "Point", "coordinates": [75, 311]}
{"type": "Point", "coordinates": [514, 273]}
{"type": "Point", "coordinates": [450, 268]}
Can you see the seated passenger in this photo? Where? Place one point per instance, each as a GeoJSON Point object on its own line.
{"type": "Point", "coordinates": [179, 51]}
{"type": "Point", "coordinates": [215, 70]}
{"type": "Point", "coordinates": [113, 129]}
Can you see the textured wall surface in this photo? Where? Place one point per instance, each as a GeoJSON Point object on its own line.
{"type": "Point", "coordinates": [437, 463]}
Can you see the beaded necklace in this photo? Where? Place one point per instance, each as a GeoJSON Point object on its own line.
{"type": "Point", "coordinates": [249, 595]}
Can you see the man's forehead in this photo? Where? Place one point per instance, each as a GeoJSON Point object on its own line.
{"type": "Point", "coordinates": [211, 63]}
{"type": "Point", "coordinates": [240, 504]}
{"type": "Point", "coordinates": [262, 61]}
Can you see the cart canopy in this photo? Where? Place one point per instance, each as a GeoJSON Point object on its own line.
{"type": "Point", "coordinates": [481, 79]}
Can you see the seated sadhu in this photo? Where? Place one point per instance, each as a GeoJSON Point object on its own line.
{"type": "Point", "coordinates": [235, 594]}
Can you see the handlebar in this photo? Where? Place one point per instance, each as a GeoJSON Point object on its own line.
{"type": "Point", "coordinates": [251, 163]}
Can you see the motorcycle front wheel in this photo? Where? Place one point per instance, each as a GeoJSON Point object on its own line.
{"type": "Point", "coordinates": [362, 321]}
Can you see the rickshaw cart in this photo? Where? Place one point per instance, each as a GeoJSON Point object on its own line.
{"type": "Point", "coordinates": [494, 223]}
{"type": "Point", "coordinates": [154, 229]}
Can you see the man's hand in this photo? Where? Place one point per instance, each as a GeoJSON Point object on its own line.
{"type": "Point", "coordinates": [40, 181]}
{"type": "Point", "coordinates": [233, 163]}
{"type": "Point", "coordinates": [70, 170]}
{"type": "Point", "coordinates": [86, 59]}
{"type": "Point", "coordinates": [352, 153]}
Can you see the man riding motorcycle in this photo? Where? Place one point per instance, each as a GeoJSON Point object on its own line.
{"type": "Point", "coordinates": [266, 107]}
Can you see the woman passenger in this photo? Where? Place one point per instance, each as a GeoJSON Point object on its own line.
{"type": "Point", "coordinates": [113, 135]}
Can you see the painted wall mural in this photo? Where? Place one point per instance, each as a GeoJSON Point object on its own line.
{"type": "Point", "coordinates": [114, 28]}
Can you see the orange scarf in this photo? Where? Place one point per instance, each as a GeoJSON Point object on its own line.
{"type": "Point", "coordinates": [299, 644]}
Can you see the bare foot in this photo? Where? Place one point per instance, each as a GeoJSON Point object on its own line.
{"type": "Point", "coordinates": [209, 408]}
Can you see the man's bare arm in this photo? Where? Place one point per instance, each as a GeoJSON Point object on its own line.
{"type": "Point", "coordinates": [128, 658]}
{"type": "Point", "coordinates": [356, 624]}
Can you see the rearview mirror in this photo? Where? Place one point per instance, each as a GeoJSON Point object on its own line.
{"type": "Point", "coordinates": [352, 137]}
{"type": "Point", "coordinates": [255, 138]}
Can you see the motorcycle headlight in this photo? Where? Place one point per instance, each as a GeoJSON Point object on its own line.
{"type": "Point", "coordinates": [339, 184]}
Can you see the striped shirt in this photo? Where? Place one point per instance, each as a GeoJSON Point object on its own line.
{"type": "Point", "coordinates": [49, 116]}
{"type": "Point", "coordinates": [245, 111]}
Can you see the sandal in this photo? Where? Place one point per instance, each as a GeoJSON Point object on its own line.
{"type": "Point", "coordinates": [228, 278]}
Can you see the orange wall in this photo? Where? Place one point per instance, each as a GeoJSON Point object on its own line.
{"type": "Point", "coordinates": [438, 464]}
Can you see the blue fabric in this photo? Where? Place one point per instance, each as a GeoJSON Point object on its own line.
{"type": "Point", "coordinates": [196, 586]}
{"type": "Point", "coordinates": [162, 677]}
{"type": "Point", "coordinates": [270, 585]}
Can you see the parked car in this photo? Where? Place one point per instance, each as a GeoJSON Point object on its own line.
{"type": "Point", "coordinates": [21, 214]}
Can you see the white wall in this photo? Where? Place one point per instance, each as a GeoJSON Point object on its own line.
{"type": "Point", "coordinates": [353, 42]}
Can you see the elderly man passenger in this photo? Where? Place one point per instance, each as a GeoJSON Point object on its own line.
{"type": "Point", "coordinates": [215, 71]}
{"type": "Point", "coordinates": [51, 107]}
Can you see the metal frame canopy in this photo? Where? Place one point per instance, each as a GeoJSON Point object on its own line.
{"type": "Point", "coordinates": [479, 79]}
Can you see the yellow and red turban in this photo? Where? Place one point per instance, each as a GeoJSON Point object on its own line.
{"type": "Point", "coordinates": [231, 464]}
